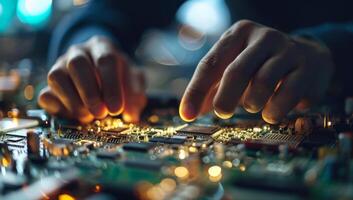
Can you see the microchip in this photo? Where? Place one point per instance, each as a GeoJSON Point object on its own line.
{"type": "Point", "coordinates": [292, 141]}
{"type": "Point", "coordinates": [199, 129]}
{"type": "Point", "coordinates": [104, 154]}
{"type": "Point", "coordinates": [166, 140]}
{"type": "Point", "coordinates": [135, 146]}
{"type": "Point", "coordinates": [273, 140]}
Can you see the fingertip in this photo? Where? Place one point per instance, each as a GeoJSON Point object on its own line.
{"type": "Point", "coordinates": [86, 119]}
{"type": "Point", "coordinates": [115, 108]}
{"type": "Point", "coordinates": [223, 115]}
{"type": "Point", "coordinates": [269, 118]}
{"type": "Point", "coordinates": [250, 107]}
{"type": "Point", "coordinates": [99, 111]}
{"type": "Point", "coordinates": [187, 112]}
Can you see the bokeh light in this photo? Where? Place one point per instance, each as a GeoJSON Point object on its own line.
{"type": "Point", "coordinates": [208, 16]}
{"type": "Point", "coordinates": [7, 9]}
{"type": "Point", "coordinates": [35, 13]}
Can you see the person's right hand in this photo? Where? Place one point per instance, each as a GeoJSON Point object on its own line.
{"type": "Point", "coordinates": [93, 80]}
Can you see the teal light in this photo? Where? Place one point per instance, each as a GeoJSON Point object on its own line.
{"type": "Point", "coordinates": [7, 9]}
{"type": "Point", "coordinates": [34, 12]}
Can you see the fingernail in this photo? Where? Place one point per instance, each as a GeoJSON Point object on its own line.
{"type": "Point", "coordinates": [187, 112]}
{"type": "Point", "coordinates": [269, 118]}
{"type": "Point", "coordinates": [115, 108]}
{"type": "Point", "coordinates": [223, 115]}
{"type": "Point", "coordinates": [250, 107]}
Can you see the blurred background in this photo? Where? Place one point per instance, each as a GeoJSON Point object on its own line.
{"type": "Point", "coordinates": [168, 55]}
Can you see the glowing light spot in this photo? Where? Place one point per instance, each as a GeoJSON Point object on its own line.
{"type": "Point", "coordinates": [79, 2]}
{"type": "Point", "coordinates": [66, 197]}
{"type": "Point", "coordinates": [168, 184]}
{"type": "Point", "coordinates": [29, 92]}
{"type": "Point", "coordinates": [193, 149]}
{"type": "Point", "coordinates": [5, 162]}
{"type": "Point", "coordinates": [153, 119]}
{"type": "Point", "coordinates": [182, 154]}
{"type": "Point", "coordinates": [34, 12]}
{"type": "Point", "coordinates": [215, 178]}
{"type": "Point", "coordinates": [209, 16]}
{"type": "Point", "coordinates": [155, 192]}
{"type": "Point", "coordinates": [214, 171]}
{"type": "Point", "coordinates": [329, 123]}
{"type": "Point", "coordinates": [7, 9]}
{"type": "Point", "coordinates": [97, 188]}
{"type": "Point", "coordinates": [181, 172]}
{"type": "Point", "coordinates": [227, 164]}
{"type": "Point", "coordinates": [242, 167]}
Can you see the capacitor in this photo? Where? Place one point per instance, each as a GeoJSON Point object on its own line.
{"type": "Point", "coordinates": [33, 144]}
{"type": "Point", "coordinates": [303, 125]}
{"type": "Point", "coordinates": [35, 153]}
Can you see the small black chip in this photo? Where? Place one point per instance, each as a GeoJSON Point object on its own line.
{"type": "Point", "coordinates": [112, 155]}
{"type": "Point", "coordinates": [199, 129]}
{"type": "Point", "coordinates": [166, 140]}
{"type": "Point", "coordinates": [135, 146]}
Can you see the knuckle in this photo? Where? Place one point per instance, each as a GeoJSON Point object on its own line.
{"type": "Point", "coordinates": [55, 74]}
{"type": "Point", "coordinates": [76, 62]}
{"type": "Point", "coordinates": [209, 62]}
{"type": "Point", "coordinates": [263, 80]}
{"type": "Point", "coordinates": [95, 39]}
{"type": "Point", "coordinates": [74, 48]}
{"type": "Point", "coordinates": [106, 58]}
{"type": "Point", "coordinates": [272, 35]}
{"type": "Point", "coordinates": [244, 24]}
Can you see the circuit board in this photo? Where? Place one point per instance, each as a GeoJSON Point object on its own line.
{"type": "Point", "coordinates": [306, 157]}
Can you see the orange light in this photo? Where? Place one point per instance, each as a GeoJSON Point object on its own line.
{"type": "Point", "coordinates": [181, 172]}
{"type": "Point", "coordinates": [168, 184]}
{"type": "Point", "coordinates": [97, 188]}
{"type": "Point", "coordinates": [29, 92]}
{"type": "Point", "coordinates": [66, 197]}
{"type": "Point", "coordinates": [5, 162]}
{"type": "Point", "coordinates": [153, 119]}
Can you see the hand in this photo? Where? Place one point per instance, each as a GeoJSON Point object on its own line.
{"type": "Point", "coordinates": [261, 68]}
{"type": "Point", "coordinates": [91, 81]}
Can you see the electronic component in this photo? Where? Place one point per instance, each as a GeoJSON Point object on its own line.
{"type": "Point", "coordinates": [199, 130]}
{"type": "Point", "coordinates": [176, 160]}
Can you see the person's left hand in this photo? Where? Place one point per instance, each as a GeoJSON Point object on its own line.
{"type": "Point", "coordinates": [261, 68]}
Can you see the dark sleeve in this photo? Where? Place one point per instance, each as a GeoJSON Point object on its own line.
{"type": "Point", "coordinates": [339, 39]}
{"type": "Point", "coordinates": [121, 20]}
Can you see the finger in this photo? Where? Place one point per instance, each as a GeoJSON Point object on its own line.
{"type": "Point", "coordinates": [265, 80]}
{"type": "Point", "coordinates": [286, 97]}
{"type": "Point", "coordinates": [237, 76]}
{"type": "Point", "coordinates": [63, 88]}
{"type": "Point", "coordinates": [135, 99]}
{"type": "Point", "coordinates": [208, 102]}
{"type": "Point", "coordinates": [108, 65]}
{"type": "Point", "coordinates": [83, 76]}
{"type": "Point", "coordinates": [210, 69]}
{"type": "Point", "coordinates": [48, 101]}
